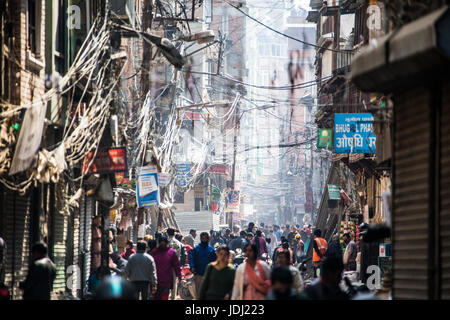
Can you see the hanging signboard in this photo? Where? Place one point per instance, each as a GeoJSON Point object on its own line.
{"type": "Point", "coordinates": [333, 192]}
{"type": "Point", "coordinates": [233, 202]}
{"type": "Point", "coordinates": [183, 173]}
{"type": "Point", "coordinates": [353, 133]}
{"type": "Point", "coordinates": [325, 138]}
{"type": "Point", "coordinates": [147, 191]}
{"type": "Point", "coordinates": [30, 138]}
{"type": "Point", "coordinates": [163, 179]}
{"type": "Point", "coordinates": [106, 161]}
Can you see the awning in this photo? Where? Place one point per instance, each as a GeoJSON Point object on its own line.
{"type": "Point", "coordinates": [405, 56]}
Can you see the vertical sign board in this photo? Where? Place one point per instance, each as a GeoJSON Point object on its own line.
{"type": "Point", "coordinates": [183, 173]}
{"type": "Point", "coordinates": [233, 198]}
{"type": "Point", "coordinates": [353, 133]}
{"type": "Point", "coordinates": [334, 192]}
{"type": "Point", "coordinates": [147, 190]}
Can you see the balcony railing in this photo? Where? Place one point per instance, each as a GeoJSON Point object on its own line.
{"type": "Point", "coordinates": [344, 59]}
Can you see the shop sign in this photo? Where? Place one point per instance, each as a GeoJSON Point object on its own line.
{"type": "Point", "coordinates": [147, 191]}
{"type": "Point", "coordinates": [334, 192]}
{"type": "Point", "coordinates": [106, 161]}
{"type": "Point", "coordinates": [163, 179]}
{"type": "Point", "coordinates": [233, 202]}
{"type": "Point", "coordinates": [191, 116]}
{"type": "Point", "coordinates": [353, 133]}
{"type": "Point", "coordinates": [219, 168]}
{"type": "Point", "coordinates": [325, 138]}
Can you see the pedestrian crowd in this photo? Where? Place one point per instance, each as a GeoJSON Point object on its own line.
{"type": "Point", "coordinates": [260, 262]}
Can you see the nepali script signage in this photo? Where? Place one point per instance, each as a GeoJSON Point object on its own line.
{"type": "Point", "coordinates": [353, 133]}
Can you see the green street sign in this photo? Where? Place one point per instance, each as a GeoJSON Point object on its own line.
{"type": "Point", "coordinates": [333, 192]}
{"type": "Point", "coordinates": [325, 138]}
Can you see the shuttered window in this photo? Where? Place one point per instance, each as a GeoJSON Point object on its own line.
{"type": "Point", "coordinates": [412, 168]}
{"type": "Point", "coordinates": [445, 193]}
{"type": "Point", "coordinates": [16, 232]}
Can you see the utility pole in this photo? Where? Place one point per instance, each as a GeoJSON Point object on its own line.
{"type": "Point", "coordinates": [233, 175]}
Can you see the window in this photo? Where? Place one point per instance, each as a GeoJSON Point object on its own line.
{"type": "Point", "coordinates": [60, 43]}
{"type": "Point", "coordinates": [276, 52]}
{"type": "Point", "coordinates": [32, 26]}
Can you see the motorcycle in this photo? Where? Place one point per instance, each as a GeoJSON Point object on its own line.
{"type": "Point", "coordinates": [302, 267]}
{"type": "Point", "coordinates": [238, 258]}
{"type": "Point", "coordinates": [187, 287]}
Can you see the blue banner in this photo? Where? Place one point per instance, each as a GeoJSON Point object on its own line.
{"type": "Point", "coordinates": [183, 171]}
{"type": "Point", "coordinates": [353, 133]}
{"type": "Point", "coordinates": [147, 189]}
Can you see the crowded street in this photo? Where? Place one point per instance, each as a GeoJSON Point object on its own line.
{"type": "Point", "coordinates": [224, 150]}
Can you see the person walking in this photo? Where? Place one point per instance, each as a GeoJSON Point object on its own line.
{"type": "Point", "coordinates": [334, 248]}
{"type": "Point", "coordinates": [283, 285]}
{"type": "Point", "coordinates": [41, 274]}
{"type": "Point", "coordinates": [320, 247]}
{"type": "Point", "coordinates": [284, 260]}
{"type": "Point", "coordinates": [188, 250]}
{"type": "Point", "coordinates": [278, 234]}
{"type": "Point", "coordinates": [273, 238]}
{"type": "Point", "coordinates": [180, 250]}
{"type": "Point", "coordinates": [120, 263]}
{"type": "Point", "coordinates": [252, 279]}
{"type": "Point", "coordinates": [167, 264]}
{"type": "Point", "coordinates": [327, 287]}
{"type": "Point", "coordinates": [261, 245]}
{"type": "Point", "coordinates": [128, 250]}
{"type": "Point", "coordinates": [141, 271]}
{"type": "Point", "coordinates": [190, 238]}
{"type": "Point", "coordinates": [199, 258]}
{"type": "Point", "coordinates": [250, 227]}
{"type": "Point", "coordinates": [286, 231]}
{"type": "Point", "coordinates": [238, 242]}
{"type": "Point", "coordinates": [218, 280]}
{"type": "Point", "coordinates": [216, 239]}
{"type": "Point", "coordinates": [299, 252]}
{"type": "Point", "coordinates": [349, 258]}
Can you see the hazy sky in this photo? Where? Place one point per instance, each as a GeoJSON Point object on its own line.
{"type": "Point", "coordinates": [303, 3]}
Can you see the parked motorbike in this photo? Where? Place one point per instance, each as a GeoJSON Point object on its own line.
{"type": "Point", "coordinates": [302, 267]}
{"type": "Point", "coordinates": [187, 287]}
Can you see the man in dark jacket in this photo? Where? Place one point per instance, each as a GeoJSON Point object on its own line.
{"type": "Point", "coordinates": [238, 242]}
{"type": "Point", "coordinates": [120, 263]}
{"type": "Point", "coordinates": [334, 248]}
{"type": "Point", "coordinates": [327, 287]}
{"type": "Point", "coordinates": [42, 273]}
{"type": "Point", "coordinates": [199, 258]}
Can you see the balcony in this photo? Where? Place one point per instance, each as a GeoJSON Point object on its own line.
{"type": "Point", "coordinates": [343, 60]}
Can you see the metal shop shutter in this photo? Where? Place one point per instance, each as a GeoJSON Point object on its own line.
{"type": "Point", "coordinates": [87, 209]}
{"type": "Point", "coordinates": [16, 221]}
{"type": "Point", "coordinates": [445, 193]}
{"type": "Point", "coordinates": [59, 251]}
{"type": "Point", "coordinates": [411, 183]}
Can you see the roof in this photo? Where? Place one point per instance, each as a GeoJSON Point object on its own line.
{"type": "Point", "coordinates": [399, 59]}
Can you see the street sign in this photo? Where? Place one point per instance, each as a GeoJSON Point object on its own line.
{"type": "Point", "coordinates": [147, 190]}
{"type": "Point", "coordinates": [106, 161]}
{"type": "Point", "coordinates": [325, 138]}
{"type": "Point", "coordinates": [333, 192]}
{"type": "Point", "coordinates": [353, 133]}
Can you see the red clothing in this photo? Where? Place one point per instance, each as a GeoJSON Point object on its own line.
{"type": "Point", "coordinates": [188, 249]}
{"type": "Point", "coordinates": [166, 262]}
{"type": "Point", "coordinates": [126, 254]}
